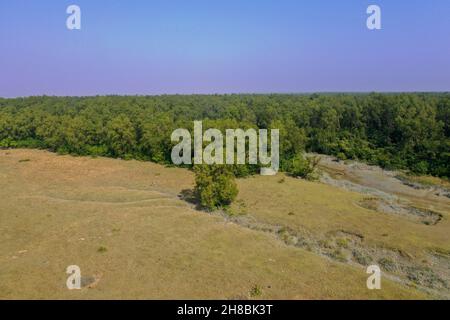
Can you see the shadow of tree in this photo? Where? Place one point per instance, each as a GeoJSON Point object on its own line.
{"type": "Point", "coordinates": [189, 196]}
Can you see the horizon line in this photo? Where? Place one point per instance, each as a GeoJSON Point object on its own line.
{"type": "Point", "coordinates": [225, 94]}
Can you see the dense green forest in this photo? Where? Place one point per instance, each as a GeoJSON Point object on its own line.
{"type": "Point", "coordinates": [405, 131]}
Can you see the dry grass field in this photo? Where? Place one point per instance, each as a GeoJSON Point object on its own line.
{"type": "Point", "coordinates": [125, 225]}
{"type": "Point", "coordinates": [410, 241]}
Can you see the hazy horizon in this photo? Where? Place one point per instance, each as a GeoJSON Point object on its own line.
{"type": "Point", "coordinates": [231, 94]}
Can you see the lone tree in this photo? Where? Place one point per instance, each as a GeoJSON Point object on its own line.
{"type": "Point", "coordinates": [215, 186]}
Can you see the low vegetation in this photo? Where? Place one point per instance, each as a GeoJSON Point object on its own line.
{"type": "Point", "coordinates": [214, 186]}
{"type": "Point", "coordinates": [304, 167]}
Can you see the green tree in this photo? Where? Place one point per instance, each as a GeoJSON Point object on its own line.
{"type": "Point", "coordinates": [304, 167]}
{"type": "Point", "coordinates": [155, 142]}
{"type": "Point", "coordinates": [215, 186]}
{"type": "Point", "coordinates": [121, 136]}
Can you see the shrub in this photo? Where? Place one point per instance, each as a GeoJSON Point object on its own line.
{"type": "Point", "coordinates": [8, 143]}
{"type": "Point", "coordinates": [341, 156]}
{"type": "Point", "coordinates": [255, 291]}
{"type": "Point", "coordinates": [29, 143]}
{"type": "Point", "coordinates": [303, 167]}
{"type": "Point", "coordinates": [97, 151]}
{"type": "Point", "coordinates": [361, 258]}
{"type": "Point", "coordinates": [387, 264]}
{"type": "Point", "coordinates": [215, 186]}
{"type": "Point", "coordinates": [102, 249]}
{"type": "Point", "coordinates": [420, 167]}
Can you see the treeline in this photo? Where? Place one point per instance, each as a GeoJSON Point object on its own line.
{"type": "Point", "coordinates": [405, 131]}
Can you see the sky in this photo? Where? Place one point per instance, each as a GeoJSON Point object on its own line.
{"type": "Point", "coordinates": [149, 47]}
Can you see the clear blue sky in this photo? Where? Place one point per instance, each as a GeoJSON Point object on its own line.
{"type": "Point", "coordinates": [222, 46]}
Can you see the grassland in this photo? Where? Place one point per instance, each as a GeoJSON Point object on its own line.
{"type": "Point", "coordinates": [125, 225]}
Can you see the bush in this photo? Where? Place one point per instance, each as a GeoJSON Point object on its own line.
{"type": "Point", "coordinates": [97, 151]}
{"type": "Point", "coordinates": [215, 186]}
{"type": "Point", "coordinates": [387, 264]}
{"type": "Point", "coordinates": [420, 167]}
{"type": "Point", "coordinates": [8, 143]}
{"type": "Point", "coordinates": [303, 167]}
{"type": "Point", "coordinates": [255, 291]}
{"type": "Point", "coordinates": [30, 143]}
{"type": "Point", "coordinates": [341, 156]}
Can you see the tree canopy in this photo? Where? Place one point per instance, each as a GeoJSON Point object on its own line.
{"type": "Point", "coordinates": [406, 131]}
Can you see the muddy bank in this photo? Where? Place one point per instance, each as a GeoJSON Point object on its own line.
{"type": "Point", "coordinates": [431, 274]}
{"type": "Point", "coordinates": [388, 191]}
